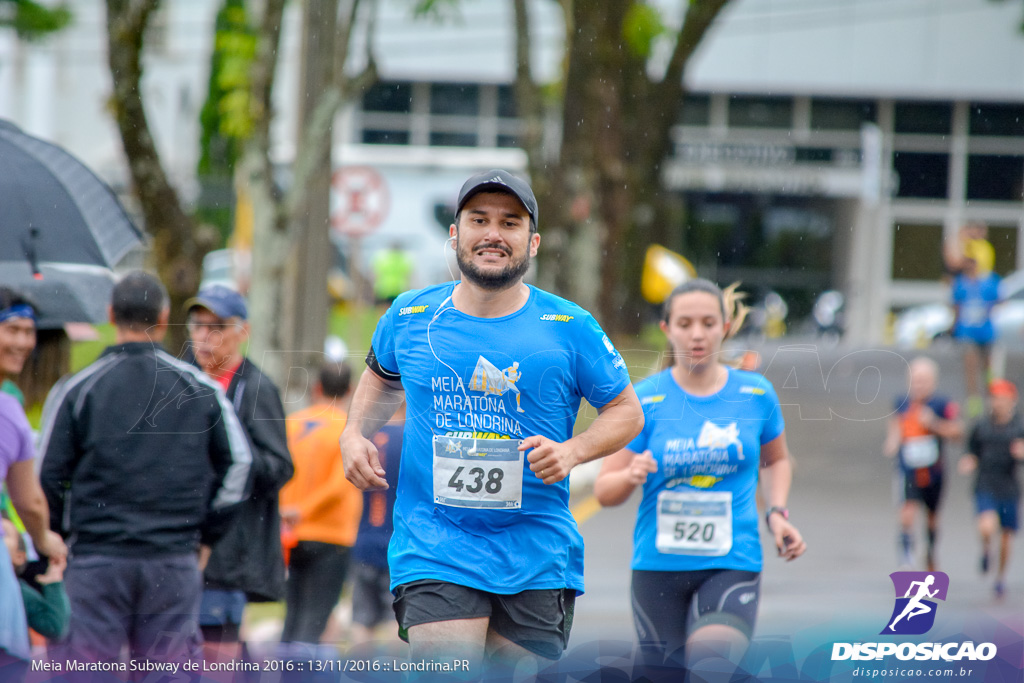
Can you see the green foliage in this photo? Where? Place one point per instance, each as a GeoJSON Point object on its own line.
{"type": "Point", "coordinates": [225, 119]}
{"type": "Point", "coordinates": [437, 10]}
{"type": "Point", "coordinates": [32, 21]}
{"type": "Point", "coordinates": [641, 27]}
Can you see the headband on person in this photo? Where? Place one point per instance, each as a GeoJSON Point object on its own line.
{"type": "Point", "coordinates": [17, 311]}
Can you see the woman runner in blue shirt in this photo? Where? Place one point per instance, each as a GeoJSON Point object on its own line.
{"type": "Point", "coordinates": [710, 431]}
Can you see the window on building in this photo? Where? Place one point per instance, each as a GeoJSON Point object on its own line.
{"type": "Point", "coordinates": [935, 118]}
{"type": "Point", "coordinates": [507, 101]}
{"type": "Point", "coordinates": [997, 119]}
{"type": "Point", "coordinates": [924, 176]}
{"type": "Point", "coordinates": [916, 252]}
{"type": "Point", "coordinates": [509, 141]}
{"type": "Point", "coordinates": [995, 177]}
{"type": "Point", "coordinates": [760, 112]}
{"type": "Point", "coordinates": [385, 137]}
{"type": "Point", "coordinates": [1004, 243]}
{"type": "Point", "coordinates": [395, 97]}
{"type": "Point", "coordinates": [814, 155]}
{"type": "Point", "coordinates": [458, 99]}
{"type": "Point", "coordinates": [841, 114]}
{"type": "Point", "coordinates": [444, 139]}
{"type": "Point", "coordinates": [695, 110]}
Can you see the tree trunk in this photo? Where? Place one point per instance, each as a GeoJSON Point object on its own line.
{"type": "Point", "coordinates": [176, 253]}
{"type": "Point", "coordinates": [291, 251]}
{"type": "Point", "coordinates": [269, 231]}
{"type": "Point", "coordinates": [305, 317]}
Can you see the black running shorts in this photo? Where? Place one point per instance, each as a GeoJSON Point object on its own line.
{"type": "Point", "coordinates": [536, 620]}
{"type": "Point", "coordinates": [669, 606]}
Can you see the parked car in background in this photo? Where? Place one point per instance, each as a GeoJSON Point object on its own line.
{"type": "Point", "coordinates": [231, 267]}
{"type": "Point", "coordinates": [1008, 314]}
{"type": "Point", "coordinates": [919, 326]}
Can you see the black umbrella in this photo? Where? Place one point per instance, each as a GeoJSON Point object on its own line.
{"type": "Point", "coordinates": [62, 293]}
{"type": "Point", "coordinates": [62, 229]}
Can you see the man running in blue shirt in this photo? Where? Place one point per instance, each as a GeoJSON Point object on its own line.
{"type": "Point", "coordinates": [485, 556]}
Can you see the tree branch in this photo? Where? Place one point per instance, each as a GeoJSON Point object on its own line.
{"type": "Point", "coordinates": [699, 16]}
{"type": "Point", "coordinates": [528, 97]}
{"type": "Point", "coordinates": [317, 133]}
{"type": "Point", "coordinates": [259, 168]}
{"type": "Point", "coordinates": [126, 26]}
{"type": "Point", "coordinates": [665, 95]}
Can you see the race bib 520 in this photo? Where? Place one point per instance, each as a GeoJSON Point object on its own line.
{"type": "Point", "coordinates": [694, 522]}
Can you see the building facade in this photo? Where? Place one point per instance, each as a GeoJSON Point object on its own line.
{"type": "Point", "coordinates": [823, 143]}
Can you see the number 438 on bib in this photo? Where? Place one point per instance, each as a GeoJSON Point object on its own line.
{"type": "Point", "coordinates": [478, 473]}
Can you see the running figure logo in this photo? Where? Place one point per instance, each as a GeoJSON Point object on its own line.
{"type": "Point", "coordinates": [914, 612]}
{"type": "Point", "coordinates": [490, 380]}
{"type": "Point", "coordinates": [713, 436]}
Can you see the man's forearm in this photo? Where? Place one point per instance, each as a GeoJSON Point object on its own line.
{"type": "Point", "coordinates": [615, 426]}
{"type": "Point", "coordinates": [373, 404]}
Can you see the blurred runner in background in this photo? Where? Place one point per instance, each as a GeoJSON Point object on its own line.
{"type": "Point", "coordinates": [918, 431]}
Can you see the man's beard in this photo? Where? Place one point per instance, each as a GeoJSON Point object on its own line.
{"type": "Point", "coordinates": [492, 280]}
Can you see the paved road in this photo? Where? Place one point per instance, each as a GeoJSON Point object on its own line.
{"type": "Point", "coordinates": [835, 403]}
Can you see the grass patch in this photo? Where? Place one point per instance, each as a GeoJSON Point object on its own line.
{"type": "Point", "coordinates": [85, 352]}
{"type": "Point", "coordinates": [354, 325]}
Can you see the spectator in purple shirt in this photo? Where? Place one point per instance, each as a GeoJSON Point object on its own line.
{"type": "Point", "coordinates": [17, 339]}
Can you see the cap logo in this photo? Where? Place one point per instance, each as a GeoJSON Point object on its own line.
{"type": "Point", "coordinates": [496, 179]}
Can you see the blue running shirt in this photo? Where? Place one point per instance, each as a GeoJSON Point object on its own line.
{"type": "Point", "coordinates": [975, 297]}
{"type": "Point", "coordinates": [467, 511]}
{"type": "Point", "coordinates": [699, 510]}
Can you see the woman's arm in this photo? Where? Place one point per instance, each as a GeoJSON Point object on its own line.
{"type": "Point", "coordinates": [621, 473]}
{"type": "Point", "coordinates": [776, 477]}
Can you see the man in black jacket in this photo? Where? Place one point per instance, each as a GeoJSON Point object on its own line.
{"type": "Point", "coordinates": [143, 460]}
{"type": "Point", "coordinates": [246, 565]}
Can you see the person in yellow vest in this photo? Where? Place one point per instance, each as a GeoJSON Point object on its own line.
{"type": "Point", "coordinates": [392, 268]}
{"type": "Point", "coordinates": [320, 506]}
{"type": "Point", "coordinates": [972, 243]}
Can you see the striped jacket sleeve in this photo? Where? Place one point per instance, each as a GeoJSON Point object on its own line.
{"type": "Point", "coordinates": [230, 455]}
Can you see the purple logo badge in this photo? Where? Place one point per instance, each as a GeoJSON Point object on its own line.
{"type": "Point", "coordinates": [916, 593]}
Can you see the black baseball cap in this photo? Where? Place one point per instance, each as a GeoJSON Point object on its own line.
{"type": "Point", "coordinates": [497, 180]}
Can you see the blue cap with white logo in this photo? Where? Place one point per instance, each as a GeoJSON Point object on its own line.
{"type": "Point", "coordinates": [220, 300]}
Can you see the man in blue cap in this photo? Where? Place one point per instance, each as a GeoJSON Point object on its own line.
{"type": "Point", "coordinates": [247, 564]}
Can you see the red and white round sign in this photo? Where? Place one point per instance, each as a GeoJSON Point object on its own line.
{"type": "Point", "coordinates": [359, 200]}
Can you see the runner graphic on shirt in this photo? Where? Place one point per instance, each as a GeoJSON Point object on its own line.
{"type": "Point", "coordinates": [490, 380]}
{"type": "Point", "coordinates": [713, 436]}
{"type": "Point", "coordinates": [512, 375]}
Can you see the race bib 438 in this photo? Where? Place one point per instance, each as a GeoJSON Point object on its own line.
{"type": "Point", "coordinates": [478, 473]}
